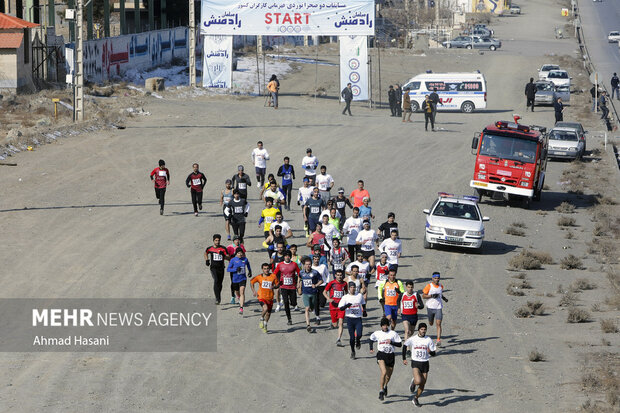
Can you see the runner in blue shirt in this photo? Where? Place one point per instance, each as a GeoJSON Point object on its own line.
{"type": "Point", "coordinates": [287, 172]}
{"type": "Point", "coordinates": [307, 283]}
{"type": "Point", "coordinates": [237, 267]}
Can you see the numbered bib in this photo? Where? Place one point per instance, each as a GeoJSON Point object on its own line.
{"type": "Point", "coordinates": [340, 205]}
{"type": "Point", "coordinates": [307, 283]}
{"type": "Point", "coordinates": [338, 294]}
{"type": "Point", "coordinates": [287, 280]}
{"type": "Point", "coordinates": [162, 173]}
{"type": "Point", "coordinates": [241, 271]}
{"type": "Point", "coordinates": [217, 257]}
{"type": "Point", "coordinates": [196, 181]}
{"type": "Point", "coordinates": [338, 266]}
{"type": "Point", "coordinates": [269, 219]}
{"type": "Point", "coordinates": [241, 185]}
{"type": "Point", "coordinates": [355, 309]}
{"type": "Point", "coordinates": [390, 293]}
{"type": "Point", "coordinates": [287, 177]}
{"type": "Point", "coordinates": [408, 305]}
{"type": "Point", "coordinates": [238, 210]}
{"type": "Point", "coordinates": [266, 284]}
{"type": "Point", "coordinates": [314, 210]}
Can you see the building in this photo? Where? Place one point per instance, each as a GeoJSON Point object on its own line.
{"type": "Point", "coordinates": [15, 52]}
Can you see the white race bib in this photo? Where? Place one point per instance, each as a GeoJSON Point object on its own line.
{"type": "Point", "coordinates": [196, 181]}
{"type": "Point", "coordinates": [287, 177]}
{"type": "Point", "coordinates": [162, 173]}
{"type": "Point", "coordinates": [266, 284]}
{"type": "Point", "coordinates": [217, 257]}
{"type": "Point", "coordinates": [287, 280]}
{"type": "Point", "coordinates": [338, 294]}
{"type": "Point", "coordinates": [307, 283]}
{"type": "Point", "coordinates": [241, 185]}
{"type": "Point", "coordinates": [408, 304]}
{"type": "Point", "coordinates": [314, 210]}
{"type": "Point", "coordinates": [390, 293]}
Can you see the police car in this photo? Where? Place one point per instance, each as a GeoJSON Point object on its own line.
{"type": "Point", "coordinates": [454, 220]}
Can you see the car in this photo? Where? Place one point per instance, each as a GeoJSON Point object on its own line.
{"type": "Point", "coordinates": [484, 26]}
{"type": "Point", "coordinates": [514, 9]}
{"type": "Point", "coordinates": [487, 43]}
{"type": "Point", "coordinates": [545, 69]}
{"type": "Point", "coordinates": [564, 143]}
{"type": "Point", "coordinates": [547, 92]}
{"type": "Point", "coordinates": [559, 77]}
{"type": "Point", "coordinates": [459, 42]}
{"type": "Point", "coordinates": [473, 42]}
{"type": "Point", "coordinates": [613, 37]}
{"type": "Point", "coordinates": [455, 221]}
{"type": "Point", "coordinates": [578, 127]}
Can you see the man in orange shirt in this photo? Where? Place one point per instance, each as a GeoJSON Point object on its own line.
{"type": "Point", "coordinates": [357, 195]}
{"type": "Point", "coordinates": [273, 87]}
{"type": "Point", "coordinates": [268, 283]}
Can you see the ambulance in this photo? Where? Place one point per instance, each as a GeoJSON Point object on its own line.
{"type": "Point", "coordinates": [457, 91]}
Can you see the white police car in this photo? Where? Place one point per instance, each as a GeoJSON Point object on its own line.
{"type": "Point", "coordinates": [454, 220]}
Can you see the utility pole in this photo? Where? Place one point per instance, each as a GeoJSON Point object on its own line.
{"type": "Point", "coordinates": [78, 74]}
{"type": "Point", "coordinates": [192, 45]}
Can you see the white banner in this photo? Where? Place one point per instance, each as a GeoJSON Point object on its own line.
{"type": "Point", "coordinates": [354, 65]}
{"type": "Point", "coordinates": [288, 17]}
{"type": "Point", "coordinates": [217, 62]}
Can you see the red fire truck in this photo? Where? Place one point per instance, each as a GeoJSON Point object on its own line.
{"type": "Point", "coordinates": [511, 160]}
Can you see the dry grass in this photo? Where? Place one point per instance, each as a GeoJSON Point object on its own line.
{"type": "Point", "coordinates": [577, 315]}
{"type": "Point", "coordinates": [514, 231]}
{"type": "Point", "coordinates": [601, 377]}
{"type": "Point", "coordinates": [564, 221]}
{"type": "Point", "coordinates": [582, 284]}
{"type": "Point", "coordinates": [530, 260]}
{"type": "Point", "coordinates": [569, 235]}
{"type": "Point", "coordinates": [523, 312]}
{"type": "Point", "coordinates": [536, 356]}
{"type": "Point", "coordinates": [519, 224]}
{"type": "Point", "coordinates": [512, 289]}
{"type": "Point", "coordinates": [609, 326]}
{"type": "Point", "coordinates": [520, 276]}
{"type": "Point", "coordinates": [604, 200]}
{"type": "Point", "coordinates": [536, 307]}
{"type": "Point", "coordinates": [571, 262]}
{"type": "Point", "coordinates": [596, 307]}
{"type": "Point", "coordinates": [565, 208]}
{"type": "Point", "coordinates": [568, 299]}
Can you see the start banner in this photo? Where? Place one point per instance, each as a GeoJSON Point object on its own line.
{"type": "Point", "coordinates": [354, 65]}
{"type": "Point", "coordinates": [288, 17]}
{"type": "Point", "coordinates": [217, 61]}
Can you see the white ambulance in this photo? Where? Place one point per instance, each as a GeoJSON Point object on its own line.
{"type": "Point", "coordinates": [457, 91]}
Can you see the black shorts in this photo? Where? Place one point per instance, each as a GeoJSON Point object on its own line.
{"type": "Point", "coordinates": [368, 254]}
{"type": "Point", "coordinates": [235, 286]}
{"type": "Point", "coordinates": [420, 365]}
{"type": "Point", "coordinates": [388, 358]}
{"type": "Point", "coordinates": [226, 218]}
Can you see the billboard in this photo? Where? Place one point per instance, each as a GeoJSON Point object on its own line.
{"type": "Point", "coordinates": [217, 62]}
{"type": "Point", "coordinates": [354, 65]}
{"type": "Point", "coordinates": [288, 17]}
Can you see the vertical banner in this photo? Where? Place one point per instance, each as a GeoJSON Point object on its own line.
{"type": "Point", "coordinates": [217, 61]}
{"type": "Point", "coordinates": [354, 65]}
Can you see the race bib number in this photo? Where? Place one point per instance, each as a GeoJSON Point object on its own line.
{"type": "Point", "coordinates": [238, 210]}
{"type": "Point", "coordinates": [393, 253]}
{"type": "Point", "coordinates": [420, 354]}
{"type": "Point", "coordinates": [390, 293]}
{"type": "Point", "coordinates": [241, 185]}
{"type": "Point", "coordinates": [355, 309]}
{"type": "Point", "coordinates": [338, 266]}
{"type": "Point", "coordinates": [196, 181]}
{"type": "Point", "coordinates": [340, 205]}
{"type": "Point", "coordinates": [217, 257]}
{"type": "Point", "coordinates": [307, 283]}
{"type": "Point", "coordinates": [269, 220]}
{"type": "Point", "coordinates": [408, 305]}
{"type": "Point", "coordinates": [266, 284]}
{"type": "Point", "coordinates": [241, 271]}
{"type": "Point", "coordinates": [287, 280]}
{"type": "Point", "coordinates": [338, 294]}
{"type": "Point", "coordinates": [314, 210]}
{"type": "Point", "coordinates": [162, 173]}
{"type": "Point", "coordinates": [287, 177]}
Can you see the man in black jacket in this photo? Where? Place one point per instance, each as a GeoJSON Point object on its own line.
{"type": "Point", "coordinates": [530, 93]}
{"type": "Point", "coordinates": [615, 86]}
{"type": "Point", "coordinates": [399, 100]}
{"type": "Point", "coordinates": [392, 100]}
{"type": "Point", "coordinates": [558, 107]}
{"type": "Point", "coordinates": [347, 95]}
{"type": "Point", "coordinates": [241, 182]}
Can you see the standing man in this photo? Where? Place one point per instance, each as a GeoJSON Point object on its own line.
{"type": "Point", "coordinates": [602, 103]}
{"type": "Point", "coordinates": [422, 348]}
{"type": "Point", "coordinates": [558, 108]}
{"type": "Point", "coordinates": [433, 293]}
{"type": "Point", "coordinates": [196, 181]}
{"type": "Point", "coordinates": [406, 110]}
{"type": "Point", "coordinates": [309, 164]}
{"type": "Point", "coordinates": [334, 291]}
{"type": "Point", "coordinates": [307, 285]}
{"type": "Point", "coordinates": [267, 282]}
{"type": "Point", "coordinates": [530, 93]}
{"type": "Point", "coordinates": [325, 182]}
{"type": "Point", "coordinates": [287, 172]}
{"type": "Point", "coordinates": [427, 108]}
{"type": "Point", "coordinates": [357, 195]}
{"type": "Point", "coordinates": [237, 210]}
{"type": "Point", "coordinates": [273, 87]}
{"type": "Point", "coordinates": [352, 305]}
{"type": "Point", "coordinates": [410, 303]}
{"type": "Point", "coordinates": [392, 100]}
{"type": "Point", "coordinates": [615, 86]}
{"type": "Point", "coordinates": [435, 101]}
{"type": "Point", "coordinates": [241, 182]}
{"type": "Point", "coordinates": [260, 156]}
{"type": "Point", "coordinates": [214, 259]}
{"type": "Point", "coordinates": [161, 176]}
{"type": "Point", "coordinates": [347, 95]}
{"type": "Point", "coordinates": [386, 341]}
{"type": "Point", "coordinates": [399, 100]}
{"type": "Point", "coordinates": [288, 271]}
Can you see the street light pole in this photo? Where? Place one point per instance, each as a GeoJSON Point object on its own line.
{"type": "Point", "coordinates": [78, 73]}
{"type": "Point", "coordinates": [192, 45]}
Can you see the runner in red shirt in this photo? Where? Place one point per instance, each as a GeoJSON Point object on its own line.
{"type": "Point", "coordinates": [287, 273]}
{"type": "Point", "coordinates": [357, 195]}
{"type": "Point", "coordinates": [382, 268]}
{"type": "Point", "coordinates": [410, 303]}
{"type": "Point", "coordinates": [196, 181]}
{"type": "Point", "coordinates": [214, 259]}
{"type": "Point", "coordinates": [161, 176]}
{"type": "Point", "coordinates": [336, 289]}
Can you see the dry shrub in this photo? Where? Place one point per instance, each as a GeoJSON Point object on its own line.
{"type": "Point", "coordinates": [606, 249]}
{"type": "Point", "coordinates": [519, 224]}
{"type": "Point", "coordinates": [536, 307]}
{"type": "Point", "coordinates": [512, 289]}
{"type": "Point", "coordinates": [543, 257]}
{"type": "Point", "coordinates": [601, 376]}
{"type": "Point", "coordinates": [514, 231]}
{"type": "Point", "coordinates": [565, 208]}
{"type": "Point", "coordinates": [566, 221]}
{"type": "Point", "coordinates": [605, 200]}
{"type": "Point", "coordinates": [536, 356]}
{"type": "Point", "coordinates": [613, 301]}
{"type": "Point", "coordinates": [577, 315]}
{"type": "Point", "coordinates": [609, 326]}
{"type": "Point", "coordinates": [568, 299]}
{"type": "Point", "coordinates": [582, 284]}
{"type": "Point", "coordinates": [520, 276]}
{"type": "Point", "coordinates": [569, 235]}
{"type": "Point", "coordinates": [596, 307]}
{"type": "Point", "coordinates": [523, 312]}
{"type": "Point", "coordinates": [571, 262]}
{"type": "Point", "coordinates": [530, 260]}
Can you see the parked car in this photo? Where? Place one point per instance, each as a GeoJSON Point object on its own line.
{"type": "Point", "coordinates": [514, 9]}
{"type": "Point", "coordinates": [578, 127]}
{"type": "Point", "coordinates": [454, 220]}
{"type": "Point", "coordinates": [564, 143]}
{"type": "Point", "coordinates": [473, 42]}
{"type": "Point", "coordinates": [547, 93]}
{"type": "Point", "coordinates": [483, 26]}
{"type": "Point", "coordinates": [559, 77]}
{"type": "Point", "coordinates": [487, 43]}
{"type": "Point", "coordinates": [459, 41]}
{"type": "Point", "coordinates": [545, 69]}
{"type": "Point", "coordinates": [613, 37]}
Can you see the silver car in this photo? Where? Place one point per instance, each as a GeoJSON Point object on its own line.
{"type": "Point", "coordinates": [578, 127]}
{"type": "Point", "coordinates": [547, 93]}
{"type": "Point", "coordinates": [473, 42]}
{"type": "Point", "coordinates": [564, 143]}
{"type": "Point", "coordinates": [460, 42]}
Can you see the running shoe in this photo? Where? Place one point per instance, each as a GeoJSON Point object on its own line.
{"type": "Point", "coordinates": [353, 355]}
{"type": "Point", "coordinates": [364, 313]}
{"type": "Point", "coordinates": [217, 302]}
{"type": "Point", "coordinates": [416, 402]}
{"type": "Point", "coordinates": [339, 343]}
{"type": "Point", "coordinates": [358, 344]}
{"type": "Point", "coordinates": [200, 207]}
{"type": "Point", "coordinates": [289, 322]}
{"type": "Point", "coordinates": [412, 386]}
{"type": "Point", "coordinates": [232, 300]}
{"type": "Point", "coordinates": [277, 308]}
{"type": "Point", "coordinates": [241, 310]}
{"type": "Point", "coordinates": [195, 214]}
{"type": "Point", "coordinates": [438, 344]}
{"type": "Point", "coordinates": [318, 321]}
{"type": "Point", "coordinates": [264, 329]}
{"type": "Point", "coordinates": [296, 308]}
{"type": "Point", "coordinates": [385, 391]}
{"type": "Point", "coordinates": [381, 395]}
{"type": "Point", "coordinates": [308, 328]}
{"type": "Point", "coordinates": [161, 211]}
{"type": "Point", "coordinates": [258, 184]}
{"type": "Point", "coordinates": [228, 237]}
{"type": "Point", "coordinates": [261, 324]}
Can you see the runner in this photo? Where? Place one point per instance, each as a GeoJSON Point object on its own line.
{"type": "Point", "coordinates": [334, 218]}
{"type": "Point", "coordinates": [330, 232]}
{"type": "Point", "coordinates": [277, 254]}
{"type": "Point", "coordinates": [267, 283]}
{"type": "Point", "coordinates": [422, 348]}
{"type": "Point", "coordinates": [366, 210]}
{"type": "Point", "coordinates": [385, 230]}
{"type": "Point", "coordinates": [286, 228]}
{"type": "Point", "coordinates": [433, 294]}
{"type": "Point", "coordinates": [305, 193]}
{"type": "Point", "coordinates": [389, 293]}
{"type": "Point", "coordinates": [352, 304]}
{"type": "Point", "coordinates": [231, 251]}
{"type": "Point", "coordinates": [196, 181]}
{"type": "Point", "coordinates": [317, 239]}
{"type": "Point", "coordinates": [366, 241]}
{"type": "Point", "coordinates": [161, 176]}
{"type": "Point", "coordinates": [325, 182]}
{"type": "Point", "coordinates": [274, 193]}
{"type": "Point", "coordinates": [237, 267]}
{"type": "Point", "coordinates": [357, 195]}
{"type": "Point", "coordinates": [214, 259]}
{"type": "Point", "coordinates": [338, 256]}
{"type": "Point", "coordinates": [288, 273]}
{"type": "Point", "coordinates": [313, 209]}
{"type": "Point", "coordinates": [351, 228]}
{"type": "Point", "coordinates": [410, 303]}
{"type": "Point", "coordinates": [386, 341]}
{"type": "Point", "coordinates": [307, 285]}
{"type": "Point", "coordinates": [364, 271]}
{"type": "Point", "coordinates": [354, 278]}
{"type": "Point", "coordinates": [225, 198]}
{"type": "Point", "coordinates": [334, 291]}
{"type": "Point", "coordinates": [237, 211]}
{"type": "Point", "coordinates": [340, 203]}
{"type": "Point", "coordinates": [382, 268]}
{"type": "Point", "coordinates": [267, 215]}
{"type": "Point", "coordinates": [393, 247]}
{"type": "Point", "coordinates": [241, 182]}
{"type": "Point", "coordinates": [309, 164]}
{"type": "Point", "coordinates": [270, 178]}
{"type": "Point", "coordinates": [319, 252]}
{"type": "Point", "coordinates": [294, 257]}
{"type": "Point", "coordinates": [325, 276]}
{"type": "Point", "coordinates": [287, 172]}
{"type": "Point", "coordinates": [260, 156]}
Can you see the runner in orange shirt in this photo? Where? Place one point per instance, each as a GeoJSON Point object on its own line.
{"type": "Point", "coordinates": [268, 283]}
{"type": "Point", "coordinates": [357, 195]}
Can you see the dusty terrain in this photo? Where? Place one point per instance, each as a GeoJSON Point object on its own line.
{"type": "Point", "coordinates": [79, 220]}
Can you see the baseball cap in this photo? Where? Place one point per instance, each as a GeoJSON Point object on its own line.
{"type": "Point", "coordinates": [240, 168]}
{"type": "Point", "coordinates": [341, 190]}
{"type": "Point", "coordinates": [308, 150]}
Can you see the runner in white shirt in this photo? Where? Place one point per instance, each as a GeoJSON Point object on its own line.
{"type": "Point", "coordinates": [260, 156]}
{"type": "Point", "coordinates": [392, 247]}
{"type": "Point", "coordinates": [366, 240]}
{"type": "Point", "coordinates": [330, 232]}
{"type": "Point", "coordinates": [351, 228]}
{"type": "Point", "coordinates": [309, 164]}
{"type": "Point", "coordinates": [352, 305]}
{"type": "Point", "coordinates": [286, 228]}
{"type": "Point", "coordinates": [274, 193]}
{"type": "Point", "coordinates": [386, 341]}
{"type": "Point", "coordinates": [325, 182]}
{"type": "Point", "coordinates": [422, 348]}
